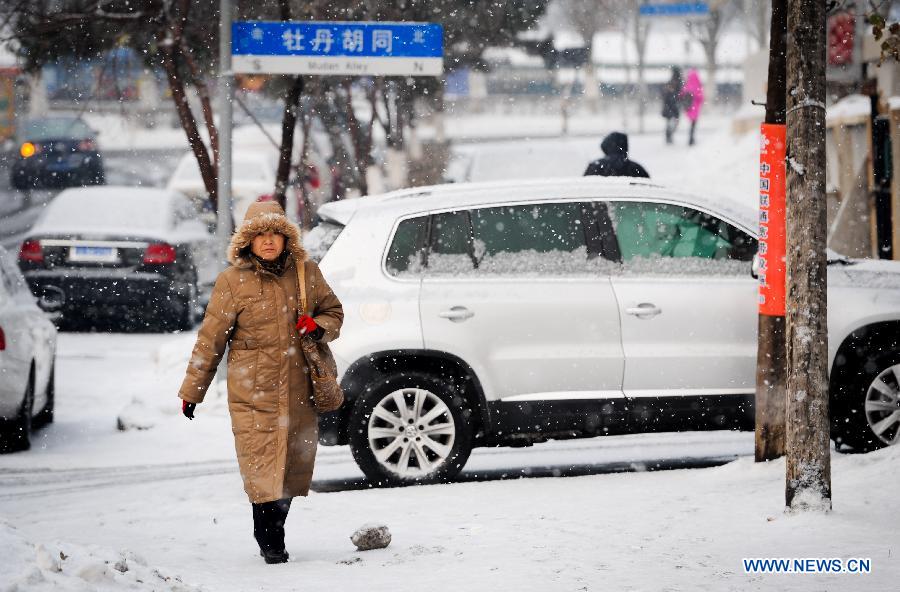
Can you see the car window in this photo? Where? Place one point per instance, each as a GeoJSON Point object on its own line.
{"type": "Point", "coordinates": [56, 129]}
{"type": "Point", "coordinates": [184, 211]}
{"type": "Point", "coordinates": [536, 239]}
{"type": "Point", "coordinates": [406, 253]}
{"type": "Point", "coordinates": [450, 248]}
{"type": "Point", "coordinates": [670, 238]}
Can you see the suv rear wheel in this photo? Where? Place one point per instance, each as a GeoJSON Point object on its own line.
{"type": "Point", "coordinates": [16, 435]}
{"type": "Point", "coordinates": [410, 428]}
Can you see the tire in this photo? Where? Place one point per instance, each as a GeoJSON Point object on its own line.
{"type": "Point", "coordinates": [45, 417]}
{"type": "Point", "coordinates": [16, 436]}
{"type": "Point", "coordinates": [180, 315]}
{"type": "Point", "coordinates": [95, 177]}
{"type": "Point", "coordinates": [444, 439]}
{"type": "Point", "coordinates": [867, 410]}
{"type": "Point", "coordinates": [20, 182]}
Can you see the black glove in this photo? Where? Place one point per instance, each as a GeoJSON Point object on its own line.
{"type": "Point", "coordinates": [188, 409]}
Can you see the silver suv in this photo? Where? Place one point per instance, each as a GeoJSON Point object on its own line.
{"type": "Point", "coordinates": [505, 314]}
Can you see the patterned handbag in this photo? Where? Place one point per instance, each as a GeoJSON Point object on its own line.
{"type": "Point", "coordinates": [327, 393]}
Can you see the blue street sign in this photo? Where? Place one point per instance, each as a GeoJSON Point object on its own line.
{"type": "Point", "coordinates": [337, 48]}
{"type": "Point", "coordinates": [675, 9]}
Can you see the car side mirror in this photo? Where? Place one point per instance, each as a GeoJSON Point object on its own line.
{"type": "Point", "coordinates": [754, 267]}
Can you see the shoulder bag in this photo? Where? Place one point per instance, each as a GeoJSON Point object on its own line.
{"type": "Point", "coordinates": [327, 394]}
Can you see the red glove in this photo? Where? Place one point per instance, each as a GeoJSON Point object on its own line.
{"type": "Point", "coordinates": [306, 325]}
{"type": "Point", "coordinates": [188, 409]}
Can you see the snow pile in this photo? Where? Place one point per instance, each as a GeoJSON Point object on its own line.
{"type": "Point", "coordinates": [68, 567]}
{"type": "Point", "coordinates": [148, 408]}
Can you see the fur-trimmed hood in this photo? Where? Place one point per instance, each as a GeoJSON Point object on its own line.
{"type": "Point", "coordinates": [263, 216]}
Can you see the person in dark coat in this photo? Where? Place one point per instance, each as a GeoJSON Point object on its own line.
{"type": "Point", "coordinates": [671, 102]}
{"type": "Point", "coordinates": [616, 162]}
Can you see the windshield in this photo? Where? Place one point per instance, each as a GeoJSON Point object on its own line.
{"type": "Point", "coordinates": [318, 240]}
{"type": "Point", "coordinates": [55, 129]}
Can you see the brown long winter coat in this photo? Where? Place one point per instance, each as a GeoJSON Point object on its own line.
{"type": "Point", "coordinates": [274, 422]}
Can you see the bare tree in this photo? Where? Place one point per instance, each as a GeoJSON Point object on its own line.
{"type": "Point", "coordinates": [587, 19]}
{"type": "Point", "coordinates": [808, 483]}
{"type": "Point", "coordinates": [639, 30]}
{"type": "Point", "coordinates": [757, 17]}
{"type": "Point", "coordinates": [708, 32]}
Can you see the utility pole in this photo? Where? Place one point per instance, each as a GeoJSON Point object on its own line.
{"type": "Point", "coordinates": [226, 96]}
{"type": "Point", "coordinates": [808, 479]}
{"type": "Point", "coordinates": [770, 353]}
{"type": "Point", "coordinates": [223, 180]}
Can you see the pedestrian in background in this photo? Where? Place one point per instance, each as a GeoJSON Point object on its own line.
{"type": "Point", "coordinates": [692, 96]}
{"type": "Point", "coordinates": [616, 162]}
{"type": "Point", "coordinates": [671, 106]}
{"type": "Point", "coordinates": [254, 309]}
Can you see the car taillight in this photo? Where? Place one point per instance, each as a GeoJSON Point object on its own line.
{"type": "Point", "coordinates": [265, 197]}
{"type": "Point", "coordinates": [2, 339]}
{"type": "Point", "coordinates": [159, 253]}
{"type": "Point", "coordinates": [31, 251]}
{"type": "Point", "coordinates": [28, 149]}
{"type": "Point", "coordinates": [87, 145]}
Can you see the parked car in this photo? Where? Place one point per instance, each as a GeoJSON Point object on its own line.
{"type": "Point", "coordinates": [27, 356]}
{"type": "Point", "coordinates": [254, 165]}
{"type": "Point", "coordinates": [503, 314]}
{"type": "Point", "coordinates": [111, 251]}
{"type": "Point", "coordinates": [252, 178]}
{"type": "Point", "coordinates": [58, 152]}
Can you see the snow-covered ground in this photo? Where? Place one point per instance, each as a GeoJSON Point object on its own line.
{"type": "Point", "coordinates": [160, 505]}
{"type": "Point", "coordinates": [168, 501]}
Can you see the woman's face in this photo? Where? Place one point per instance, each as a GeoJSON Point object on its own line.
{"type": "Point", "coordinates": [268, 245]}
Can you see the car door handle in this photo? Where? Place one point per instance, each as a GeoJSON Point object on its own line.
{"type": "Point", "coordinates": [457, 314]}
{"type": "Point", "coordinates": [644, 310]}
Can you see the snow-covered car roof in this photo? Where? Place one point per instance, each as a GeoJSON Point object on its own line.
{"type": "Point", "coordinates": [461, 195]}
{"type": "Point", "coordinates": [110, 209]}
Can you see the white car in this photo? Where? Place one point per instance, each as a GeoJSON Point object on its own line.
{"type": "Point", "coordinates": [124, 252]}
{"type": "Point", "coordinates": [27, 356]}
{"type": "Point", "coordinates": [252, 178]}
{"type": "Point", "coordinates": [509, 313]}
{"type": "Point", "coordinates": [253, 169]}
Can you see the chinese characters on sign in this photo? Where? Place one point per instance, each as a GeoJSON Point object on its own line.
{"type": "Point", "coordinates": [771, 251]}
{"type": "Point", "coordinates": [339, 48]}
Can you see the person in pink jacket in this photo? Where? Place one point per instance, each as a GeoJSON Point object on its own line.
{"type": "Point", "coordinates": [692, 97]}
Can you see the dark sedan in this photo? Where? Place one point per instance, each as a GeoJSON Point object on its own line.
{"type": "Point", "coordinates": [57, 152]}
{"type": "Point", "coordinates": [123, 253]}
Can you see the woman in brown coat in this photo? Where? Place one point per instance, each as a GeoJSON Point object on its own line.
{"type": "Point", "coordinates": [254, 309]}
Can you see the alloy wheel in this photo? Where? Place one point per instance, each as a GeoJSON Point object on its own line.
{"type": "Point", "coordinates": [411, 432]}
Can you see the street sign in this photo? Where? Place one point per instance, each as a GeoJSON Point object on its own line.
{"type": "Point", "coordinates": [337, 48]}
{"type": "Point", "coordinates": [674, 9]}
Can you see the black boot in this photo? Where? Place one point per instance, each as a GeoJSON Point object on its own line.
{"type": "Point", "coordinates": [268, 529]}
{"type": "Point", "coordinates": [274, 556]}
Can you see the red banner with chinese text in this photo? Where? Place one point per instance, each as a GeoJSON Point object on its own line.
{"type": "Point", "coordinates": [772, 280]}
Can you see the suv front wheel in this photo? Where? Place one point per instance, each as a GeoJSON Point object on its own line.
{"type": "Point", "coordinates": [410, 428]}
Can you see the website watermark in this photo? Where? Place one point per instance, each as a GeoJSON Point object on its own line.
{"type": "Point", "coordinates": [811, 565]}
